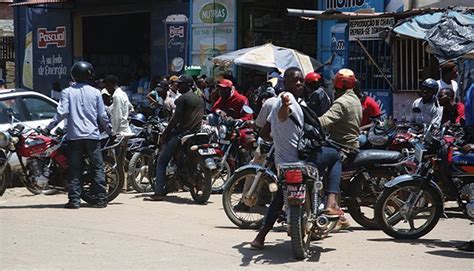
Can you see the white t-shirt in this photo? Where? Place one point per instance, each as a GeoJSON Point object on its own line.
{"type": "Point", "coordinates": [265, 111]}
{"type": "Point", "coordinates": [285, 134]}
{"type": "Point", "coordinates": [120, 109]}
{"type": "Point", "coordinates": [431, 113]}
{"type": "Point", "coordinates": [453, 86]}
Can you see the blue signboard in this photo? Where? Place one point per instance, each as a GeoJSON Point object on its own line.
{"type": "Point", "coordinates": [52, 49]}
{"type": "Point", "coordinates": [385, 100]}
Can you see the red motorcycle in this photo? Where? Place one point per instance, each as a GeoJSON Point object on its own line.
{"type": "Point", "coordinates": [46, 166]}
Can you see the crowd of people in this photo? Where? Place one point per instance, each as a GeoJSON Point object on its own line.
{"type": "Point", "coordinates": [279, 111]}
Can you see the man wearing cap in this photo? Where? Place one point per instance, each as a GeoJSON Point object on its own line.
{"type": "Point", "coordinates": [231, 102]}
{"type": "Point", "coordinates": [316, 96]}
{"type": "Point", "coordinates": [186, 119]}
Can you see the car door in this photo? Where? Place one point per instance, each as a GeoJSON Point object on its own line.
{"type": "Point", "coordinates": [10, 107]}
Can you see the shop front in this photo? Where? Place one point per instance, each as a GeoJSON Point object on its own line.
{"type": "Point", "coordinates": [132, 39]}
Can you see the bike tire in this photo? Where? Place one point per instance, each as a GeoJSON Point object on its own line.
{"type": "Point", "coordinates": [137, 160]}
{"type": "Point", "coordinates": [227, 199]}
{"type": "Point", "coordinates": [110, 172]}
{"type": "Point", "coordinates": [298, 235]}
{"type": "Point", "coordinates": [201, 188]}
{"type": "Point", "coordinates": [386, 194]}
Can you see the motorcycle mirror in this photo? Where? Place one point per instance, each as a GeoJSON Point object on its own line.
{"type": "Point", "coordinates": [247, 109]}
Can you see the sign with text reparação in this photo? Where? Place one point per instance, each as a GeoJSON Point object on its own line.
{"type": "Point", "coordinates": [368, 29]}
{"type": "Point", "coordinates": [213, 31]}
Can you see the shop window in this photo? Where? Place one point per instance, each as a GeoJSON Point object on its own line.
{"type": "Point", "coordinates": [412, 64]}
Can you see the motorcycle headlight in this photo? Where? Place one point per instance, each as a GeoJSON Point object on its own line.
{"type": "Point", "coordinates": [4, 139]}
{"type": "Point", "coordinates": [222, 131]}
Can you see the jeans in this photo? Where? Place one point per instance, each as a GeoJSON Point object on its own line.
{"type": "Point", "coordinates": [168, 151]}
{"type": "Point", "coordinates": [77, 150]}
{"type": "Point", "coordinates": [328, 158]}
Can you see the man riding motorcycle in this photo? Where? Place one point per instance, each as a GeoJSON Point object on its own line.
{"type": "Point", "coordinates": [426, 110]}
{"type": "Point", "coordinates": [231, 102]}
{"type": "Point", "coordinates": [186, 119]}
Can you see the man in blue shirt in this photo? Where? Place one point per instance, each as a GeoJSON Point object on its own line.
{"type": "Point", "coordinates": [83, 107]}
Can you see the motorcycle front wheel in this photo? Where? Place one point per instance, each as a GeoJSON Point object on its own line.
{"type": "Point", "coordinates": [250, 214]}
{"type": "Point", "coordinates": [139, 175]}
{"type": "Point", "coordinates": [406, 211]}
{"type": "Point", "coordinates": [114, 181]}
{"type": "Point", "coordinates": [201, 184]}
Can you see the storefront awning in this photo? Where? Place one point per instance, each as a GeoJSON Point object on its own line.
{"type": "Point", "coordinates": [39, 2]}
{"type": "Point", "coordinates": [363, 14]}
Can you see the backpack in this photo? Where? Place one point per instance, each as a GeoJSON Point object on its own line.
{"type": "Point", "coordinates": [313, 135]}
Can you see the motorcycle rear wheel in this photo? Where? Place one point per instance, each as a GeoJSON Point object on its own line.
{"type": "Point", "coordinates": [139, 176]}
{"type": "Point", "coordinates": [114, 181]}
{"type": "Point", "coordinates": [392, 204]}
{"type": "Point", "coordinates": [300, 229]}
{"type": "Point", "coordinates": [362, 198]}
{"type": "Point", "coordinates": [252, 216]}
{"type": "Point", "coordinates": [201, 186]}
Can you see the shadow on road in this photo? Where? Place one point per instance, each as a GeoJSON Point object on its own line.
{"type": "Point", "coordinates": [433, 243]}
{"type": "Point", "coordinates": [276, 253]}
{"type": "Point", "coordinates": [50, 206]}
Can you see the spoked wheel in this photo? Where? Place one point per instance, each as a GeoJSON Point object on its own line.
{"type": "Point", "coordinates": [201, 185]}
{"type": "Point", "coordinates": [221, 177]}
{"type": "Point", "coordinates": [406, 211]}
{"type": "Point", "coordinates": [114, 181]}
{"type": "Point", "coordinates": [247, 213]}
{"type": "Point", "coordinates": [139, 176]}
{"type": "Point", "coordinates": [300, 228]}
{"type": "Point", "coordinates": [363, 195]}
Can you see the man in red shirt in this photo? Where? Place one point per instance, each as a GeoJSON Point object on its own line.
{"type": "Point", "coordinates": [370, 108]}
{"type": "Point", "coordinates": [452, 112]}
{"type": "Point", "coordinates": [230, 101]}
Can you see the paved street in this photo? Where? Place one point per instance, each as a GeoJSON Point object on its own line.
{"type": "Point", "coordinates": [37, 233]}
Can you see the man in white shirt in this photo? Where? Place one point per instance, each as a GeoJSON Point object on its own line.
{"type": "Point", "coordinates": [119, 111]}
{"type": "Point", "coordinates": [120, 107]}
{"type": "Point", "coordinates": [426, 110]}
{"type": "Point", "coordinates": [449, 74]}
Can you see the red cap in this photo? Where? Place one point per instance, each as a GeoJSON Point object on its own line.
{"type": "Point", "coordinates": [312, 77]}
{"type": "Point", "coordinates": [345, 79]}
{"type": "Point", "coordinates": [225, 83]}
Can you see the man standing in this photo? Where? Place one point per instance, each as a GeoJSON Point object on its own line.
{"type": "Point", "coordinates": [452, 112]}
{"type": "Point", "coordinates": [186, 119]}
{"type": "Point", "coordinates": [120, 107]}
{"type": "Point", "coordinates": [426, 110]}
{"type": "Point", "coordinates": [230, 102]}
{"type": "Point", "coordinates": [449, 74]}
{"type": "Point", "coordinates": [84, 110]}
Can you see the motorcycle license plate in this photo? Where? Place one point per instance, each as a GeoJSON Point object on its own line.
{"type": "Point", "coordinates": [209, 151]}
{"type": "Point", "coordinates": [296, 191]}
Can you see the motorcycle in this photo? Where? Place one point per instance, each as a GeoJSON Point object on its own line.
{"type": "Point", "coordinates": [46, 166]}
{"type": "Point", "coordinates": [362, 180]}
{"type": "Point", "coordinates": [410, 206]}
{"type": "Point", "coordinates": [237, 142]}
{"type": "Point", "coordinates": [141, 161]}
{"type": "Point", "coordinates": [303, 197]}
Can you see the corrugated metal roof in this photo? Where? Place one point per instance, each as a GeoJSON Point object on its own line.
{"type": "Point", "coordinates": [38, 2]}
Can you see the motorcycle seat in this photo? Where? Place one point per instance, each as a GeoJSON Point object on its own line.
{"type": "Point", "coordinates": [371, 157]}
{"type": "Point", "coordinates": [185, 138]}
{"type": "Point", "coordinates": [468, 148]}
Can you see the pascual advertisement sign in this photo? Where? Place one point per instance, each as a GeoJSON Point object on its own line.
{"type": "Point", "coordinates": [368, 29]}
{"type": "Point", "coordinates": [176, 42]}
{"type": "Point", "coordinates": [213, 31]}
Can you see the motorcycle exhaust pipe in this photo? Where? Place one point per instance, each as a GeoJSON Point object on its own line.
{"type": "Point", "coordinates": [322, 222]}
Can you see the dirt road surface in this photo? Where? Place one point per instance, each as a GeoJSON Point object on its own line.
{"type": "Point", "coordinates": [36, 233]}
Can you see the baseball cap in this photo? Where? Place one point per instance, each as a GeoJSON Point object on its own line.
{"type": "Point", "coordinates": [173, 78]}
{"type": "Point", "coordinates": [225, 83]}
{"type": "Point", "coordinates": [162, 85]}
{"type": "Point", "coordinates": [184, 78]}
